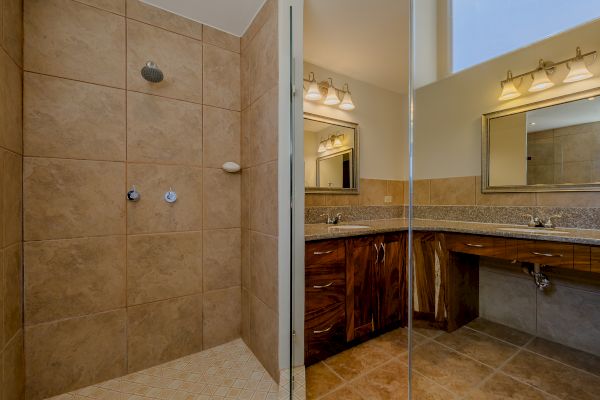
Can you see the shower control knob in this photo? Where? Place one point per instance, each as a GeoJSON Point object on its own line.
{"type": "Point", "coordinates": [133, 195]}
{"type": "Point", "coordinates": [170, 196]}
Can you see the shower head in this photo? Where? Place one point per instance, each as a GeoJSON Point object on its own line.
{"type": "Point", "coordinates": [152, 73]}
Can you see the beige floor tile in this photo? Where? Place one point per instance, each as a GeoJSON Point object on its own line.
{"type": "Point", "coordinates": [500, 331]}
{"type": "Point", "coordinates": [345, 392]}
{"type": "Point", "coordinates": [357, 360]}
{"type": "Point", "coordinates": [500, 387]}
{"type": "Point", "coordinates": [320, 380]}
{"type": "Point", "coordinates": [575, 358]}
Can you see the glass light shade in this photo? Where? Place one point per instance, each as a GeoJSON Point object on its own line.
{"type": "Point", "coordinates": [332, 98]}
{"type": "Point", "coordinates": [540, 81]}
{"type": "Point", "coordinates": [337, 142]}
{"type": "Point", "coordinates": [578, 71]}
{"type": "Point", "coordinates": [347, 103]}
{"type": "Point", "coordinates": [313, 93]}
{"type": "Point", "coordinates": [509, 91]}
{"type": "Point", "coordinates": [329, 145]}
{"type": "Point", "coordinates": [321, 147]}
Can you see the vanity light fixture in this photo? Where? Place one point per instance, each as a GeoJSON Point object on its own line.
{"type": "Point", "coordinates": [332, 142]}
{"type": "Point", "coordinates": [315, 91]}
{"type": "Point", "coordinates": [322, 147]}
{"type": "Point", "coordinates": [578, 71]}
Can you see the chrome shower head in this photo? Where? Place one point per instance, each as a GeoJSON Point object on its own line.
{"type": "Point", "coordinates": [152, 73]}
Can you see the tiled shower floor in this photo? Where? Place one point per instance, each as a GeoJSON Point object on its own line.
{"type": "Point", "coordinates": [481, 361]}
{"type": "Point", "coordinates": [229, 371]}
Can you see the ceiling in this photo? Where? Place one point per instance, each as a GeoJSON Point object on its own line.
{"type": "Point", "coordinates": [357, 39]}
{"type": "Point", "coordinates": [567, 114]}
{"type": "Point", "coordinates": [232, 16]}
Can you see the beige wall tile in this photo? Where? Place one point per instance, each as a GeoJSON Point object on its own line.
{"type": "Point", "coordinates": [263, 267]}
{"type": "Point", "coordinates": [12, 198]}
{"type": "Point", "coordinates": [163, 266]}
{"type": "Point", "coordinates": [13, 291]}
{"type": "Point", "coordinates": [222, 316]}
{"type": "Point", "coordinates": [11, 104]}
{"type": "Point", "coordinates": [74, 277]}
{"type": "Point", "coordinates": [245, 80]}
{"type": "Point", "coordinates": [421, 192]}
{"type": "Point", "coordinates": [162, 331]}
{"type": "Point", "coordinates": [372, 192]}
{"type": "Point", "coordinates": [164, 19]}
{"type": "Point", "coordinates": [263, 128]}
{"type": "Point", "coordinates": [246, 317]}
{"type": "Point", "coordinates": [222, 258]}
{"type": "Point", "coordinates": [317, 200]}
{"type": "Point", "coordinates": [264, 324]}
{"type": "Point", "coordinates": [179, 57]}
{"type": "Point", "coordinates": [502, 199]}
{"type": "Point", "coordinates": [568, 199]}
{"type": "Point", "coordinates": [70, 119]}
{"type": "Point", "coordinates": [116, 6]}
{"type": "Point", "coordinates": [263, 199]}
{"type": "Point", "coordinates": [221, 39]}
{"type": "Point", "coordinates": [163, 130]}
{"type": "Point", "coordinates": [261, 60]}
{"type": "Point", "coordinates": [245, 143]}
{"type": "Point", "coordinates": [222, 199]}
{"type": "Point", "coordinates": [221, 135]}
{"type": "Point", "coordinates": [12, 28]}
{"type": "Point", "coordinates": [72, 40]}
{"type": "Point", "coordinates": [80, 351]}
{"type": "Point", "coordinates": [396, 190]}
{"type": "Point", "coordinates": [453, 191]}
{"type": "Point", "coordinates": [221, 78]}
{"type": "Point", "coordinates": [14, 369]}
{"type": "Point", "coordinates": [246, 191]}
{"type": "Point", "coordinates": [268, 11]}
{"type": "Point", "coordinates": [60, 195]}
{"type": "Point", "coordinates": [152, 214]}
{"type": "Point", "coordinates": [245, 263]}
{"type": "Point", "coordinates": [340, 199]}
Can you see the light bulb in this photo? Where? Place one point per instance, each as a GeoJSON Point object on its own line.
{"type": "Point", "coordinates": [347, 103]}
{"type": "Point", "coordinates": [332, 98]}
{"type": "Point", "coordinates": [313, 93]}
{"type": "Point", "coordinates": [578, 71]}
{"type": "Point", "coordinates": [540, 81]}
{"type": "Point", "coordinates": [509, 91]}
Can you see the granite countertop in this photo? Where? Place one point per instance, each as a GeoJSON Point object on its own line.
{"type": "Point", "coordinates": [324, 231]}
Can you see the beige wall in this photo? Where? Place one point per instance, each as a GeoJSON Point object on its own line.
{"type": "Point", "coordinates": [12, 368]}
{"type": "Point", "coordinates": [113, 286]}
{"type": "Point", "coordinates": [260, 69]}
{"type": "Point", "coordinates": [508, 150]}
{"type": "Point", "coordinates": [382, 118]}
{"type": "Point", "coordinates": [448, 112]}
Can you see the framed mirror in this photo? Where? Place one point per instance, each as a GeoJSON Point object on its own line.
{"type": "Point", "coordinates": [549, 146]}
{"type": "Point", "coordinates": [330, 155]}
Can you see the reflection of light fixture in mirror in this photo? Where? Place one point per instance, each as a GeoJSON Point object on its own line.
{"type": "Point", "coordinates": [329, 144]}
{"type": "Point", "coordinates": [322, 147]}
{"type": "Point", "coordinates": [337, 142]}
{"type": "Point", "coordinates": [578, 71]}
{"type": "Point", "coordinates": [541, 81]}
{"type": "Point", "coordinates": [313, 93]}
{"type": "Point", "coordinates": [332, 97]}
{"type": "Point", "coordinates": [509, 90]}
{"type": "Point", "coordinates": [347, 104]}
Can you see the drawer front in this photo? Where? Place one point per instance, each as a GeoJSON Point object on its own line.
{"type": "Point", "coordinates": [547, 253]}
{"type": "Point", "coordinates": [324, 252]}
{"type": "Point", "coordinates": [595, 260]}
{"type": "Point", "coordinates": [325, 334]}
{"type": "Point", "coordinates": [581, 257]}
{"type": "Point", "coordinates": [325, 286]}
{"type": "Point", "coordinates": [478, 245]}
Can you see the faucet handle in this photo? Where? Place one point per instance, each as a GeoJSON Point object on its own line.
{"type": "Point", "coordinates": [549, 223]}
{"type": "Point", "coordinates": [338, 217]}
{"type": "Point", "coordinates": [531, 219]}
{"type": "Point", "coordinates": [328, 218]}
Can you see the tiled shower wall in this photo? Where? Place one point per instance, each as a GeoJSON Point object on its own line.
{"type": "Point", "coordinates": [113, 286]}
{"type": "Point", "coordinates": [259, 187]}
{"type": "Point", "coordinates": [12, 368]}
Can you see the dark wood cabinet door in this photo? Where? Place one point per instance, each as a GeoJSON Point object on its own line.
{"type": "Point", "coordinates": [391, 278]}
{"type": "Point", "coordinates": [361, 257]}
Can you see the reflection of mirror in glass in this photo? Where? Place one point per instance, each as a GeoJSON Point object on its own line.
{"type": "Point", "coordinates": [550, 145]}
{"type": "Point", "coordinates": [329, 155]}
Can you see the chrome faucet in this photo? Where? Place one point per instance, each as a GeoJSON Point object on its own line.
{"type": "Point", "coordinates": [536, 222]}
{"type": "Point", "coordinates": [332, 220]}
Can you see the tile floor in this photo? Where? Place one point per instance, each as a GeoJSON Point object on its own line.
{"type": "Point", "coordinates": [229, 371]}
{"type": "Point", "coordinates": [480, 361]}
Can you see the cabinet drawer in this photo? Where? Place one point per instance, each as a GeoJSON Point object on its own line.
{"type": "Point", "coordinates": [324, 252]}
{"type": "Point", "coordinates": [325, 286]}
{"type": "Point", "coordinates": [595, 259]}
{"type": "Point", "coordinates": [478, 245]}
{"type": "Point", "coordinates": [547, 253]}
{"type": "Point", "coordinates": [325, 333]}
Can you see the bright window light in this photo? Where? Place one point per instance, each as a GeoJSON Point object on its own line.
{"type": "Point", "coordinates": [485, 29]}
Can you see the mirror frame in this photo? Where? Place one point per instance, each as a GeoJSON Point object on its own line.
{"type": "Point", "coordinates": [485, 147]}
{"type": "Point", "coordinates": [355, 163]}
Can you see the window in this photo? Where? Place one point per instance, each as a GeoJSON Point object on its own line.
{"type": "Point", "coordinates": [484, 29]}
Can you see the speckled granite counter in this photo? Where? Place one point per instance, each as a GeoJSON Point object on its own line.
{"type": "Point", "coordinates": [323, 231]}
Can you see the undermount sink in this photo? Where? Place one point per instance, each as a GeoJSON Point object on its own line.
{"type": "Point", "coordinates": [349, 227]}
{"type": "Point", "coordinates": [539, 231]}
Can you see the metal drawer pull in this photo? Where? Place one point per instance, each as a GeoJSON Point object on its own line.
{"type": "Point", "coordinates": [319, 253]}
{"type": "Point", "coordinates": [474, 245]}
{"type": "Point", "coordinates": [376, 253]}
{"type": "Point", "coordinates": [323, 286]}
{"type": "Point", "coordinates": [535, 253]}
{"type": "Point", "coordinates": [324, 330]}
